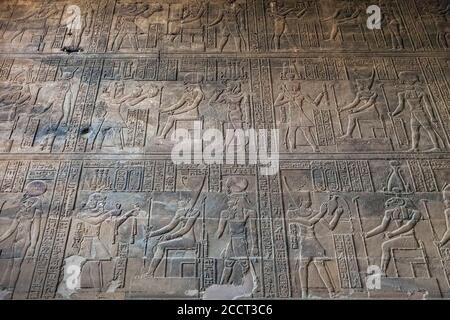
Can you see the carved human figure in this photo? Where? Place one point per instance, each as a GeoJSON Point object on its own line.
{"type": "Point", "coordinates": [232, 23]}
{"type": "Point", "coordinates": [178, 234]}
{"type": "Point", "coordinates": [15, 96]}
{"type": "Point", "coordinates": [25, 230]}
{"type": "Point", "coordinates": [345, 14]}
{"type": "Point", "coordinates": [55, 112]}
{"type": "Point", "coordinates": [394, 25]}
{"type": "Point", "coordinates": [279, 12]}
{"type": "Point", "coordinates": [113, 121]}
{"type": "Point", "coordinates": [15, 93]}
{"type": "Point", "coordinates": [236, 102]}
{"type": "Point", "coordinates": [126, 25]}
{"type": "Point", "coordinates": [190, 18]}
{"type": "Point", "coordinates": [311, 250]}
{"type": "Point", "coordinates": [421, 111]}
{"type": "Point", "coordinates": [92, 249]}
{"type": "Point", "coordinates": [16, 102]}
{"type": "Point", "coordinates": [242, 232]}
{"type": "Point", "coordinates": [78, 21]}
{"type": "Point", "coordinates": [34, 19]}
{"type": "Point", "coordinates": [442, 27]}
{"type": "Point", "coordinates": [296, 118]}
{"type": "Point", "coordinates": [124, 232]}
{"type": "Point", "coordinates": [402, 213]}
{"type": "Point", "coordinates": [186, 108]}
{"type": "Point", "coordinates": [363, 107]}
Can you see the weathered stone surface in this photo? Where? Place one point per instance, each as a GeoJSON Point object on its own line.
{"type": "Point", "coordinates": [87, 94]}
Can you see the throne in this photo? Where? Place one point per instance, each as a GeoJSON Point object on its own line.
{"type": "Point", "coordinates": [410, 262]}
{"type": "Point", "coordinates": [182, 263]}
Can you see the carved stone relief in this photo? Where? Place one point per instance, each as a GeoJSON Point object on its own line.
{"type": "Point", "coordinates": [91, 94]}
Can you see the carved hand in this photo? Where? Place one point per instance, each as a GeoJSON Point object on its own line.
{"type": "Point", "coordinates": [31, 252]}
{"type": "Point", "coordinates": [167, 237]}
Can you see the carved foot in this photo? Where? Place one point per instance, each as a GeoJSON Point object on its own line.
{"type": "Point", "coordinates": [434, 149]}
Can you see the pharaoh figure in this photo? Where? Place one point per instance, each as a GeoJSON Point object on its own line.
{"type": "Point", "coordinates": [34, 19]}
{"type": "Point", "coordinates": [363, 107]}
{"type": "Point", "coordinates": [92, 249]}
{"type": "Point", "coordinates": [16, 97]}
{"type": "Point", "coordinates": [421, 111]}
{"type": "Point", "coordinates": [278, 12]}
{"type": "Point", "coordinates": [394, 25]}
{"type": "Point", "coordinates": [345, 14]}
{"type": "Point", "coordinates": [16, 100]}
{"type": "Point", "coordinates": [126, 23]}
{"type": "Point", "coordinates": [296, 118]}
{"type": "Point", "coordinates": [311, 250]}
{"type": "Point", "coordinates": [15, 94]}
{"type": "Point", "coordinates": [25, 230]}
{"type": "Point", "coordinates": [239, 219]}
{"type": "Point", "coordinates": [186, 108]}
{"type": "Point", "coordinates": [116, 102]}
{"type": "Point", "coordinates": [190, 18]}
{"type": "Point", "coordinates": [56, 113]}
{"type": "Point", "coordinates": [236, 102]}
{"type": "Point", "coordinates": [232, 23]}
{"type": "Point", "coordinates": [442, 27]}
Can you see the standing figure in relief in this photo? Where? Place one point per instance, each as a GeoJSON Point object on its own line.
{"type": "Point", "coordinates": [26, 229]}
{"type": "Point", "coordinates": [311, 250]}
{"type": "Point", "coordinates": [126, 25]}
{"type": "Point", "coordinates": [92, 248]}
{"type": "Point", "coordinates": [296, 118]}
{"type": "Point", "coordinates": [242, 244]}
{"type": "Point", "coordinates": [421, 111]}
{"type": "Point", "coordinates": [190, 18]}
{"type": "Point", "coordinates": [232, 23]}
{"type": "Point", "coordinates": [363, 106]}
{"type": "Point", "coordinates": [278, 12]}
{"type": "Point", "coordinates": [343, 15]}
{"type": "Point", "coordinates": [236, 102]}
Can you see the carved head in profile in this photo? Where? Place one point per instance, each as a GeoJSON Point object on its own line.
{"type": "Point", "coordinates": [234, 86]}
{"type": "Point", "coordinates": [236, 185]}
{"type": "Point", "coordinates": [394, 202]}
{"type": "Point", "coordinates": [137, 91]}
{"type": "Point", "coordinates": [408, 78]}
{"type": "Point", "coordinates": [193, 78]}
{"type": "Point", "coordinates": [116, 89]}
{"type": "Point", "coordinates": [95, 201]}
{"type": "Point", "coordinates": [366, 83]}
{"type": "Point", "coordinates": [35, 189]}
